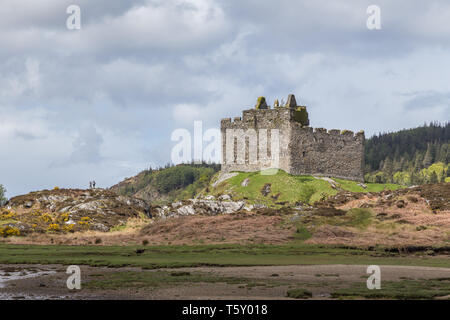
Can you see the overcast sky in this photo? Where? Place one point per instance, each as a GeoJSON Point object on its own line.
{"type": "Point", "coordinates": [101, 102]}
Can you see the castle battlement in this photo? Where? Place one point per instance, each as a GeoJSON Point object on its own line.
{"type": "Point", "coordinates": [301, 148]}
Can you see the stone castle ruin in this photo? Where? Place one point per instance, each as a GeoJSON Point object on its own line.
{"type": "Point", "coordinates": [281, 138]}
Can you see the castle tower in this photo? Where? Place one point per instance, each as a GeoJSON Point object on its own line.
{"type": "Point", "coordinates": [281, 138]}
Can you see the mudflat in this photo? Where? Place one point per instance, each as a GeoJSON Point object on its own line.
{"type": "Point", "coordinates": [36, 282]}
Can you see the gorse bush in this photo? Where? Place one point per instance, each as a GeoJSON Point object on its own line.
{"type": "Point", "coordinates": [54, 227]}
{"type": "Point", "coordinates": [7, 214]}
{"type": "Point", "coordinates": [8, 231]}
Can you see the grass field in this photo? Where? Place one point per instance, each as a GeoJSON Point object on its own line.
{"type": "Point", "coordinates": [289, 189]}
{"type": "Point", "coordinates": [404, 289]}
{"type": "Point", "coordinates": [213, 255]}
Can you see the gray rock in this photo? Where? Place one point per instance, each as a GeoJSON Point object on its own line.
{"type": "Point", "coordinates": [28, 204]}
{"type": "Point", "coordinates": [186, 210]}
{"type": "Point", "coordinates": [223, 176]}
{"type": "Point", "coordinates": [224, 197]}
{"type": "Point", "coordinates": [177, 204]}
{"type": "Point", "coordinates": [230, 207]}
{"type": "Point", "coordinates": [100, 227]}
{"type": "Point", "coordinates": [259, 206]}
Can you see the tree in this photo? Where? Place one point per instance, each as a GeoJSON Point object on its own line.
{"type": "Point", "coordinates": [388, 168]}
{"type": "Point", "coordinates": [428, 159]}
{"type": "Point", "coordinates": [433, 177]}
{"type": "Point", "coordinates": [3, 198]}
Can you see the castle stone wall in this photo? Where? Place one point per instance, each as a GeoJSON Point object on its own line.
{"type": "Point", "coordinates": [323, 153]}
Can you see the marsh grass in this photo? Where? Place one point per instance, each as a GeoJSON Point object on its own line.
{"type": "Point", "coordinates": [404, 289]}
{"type": "Point", "coordinates": [295, 253]}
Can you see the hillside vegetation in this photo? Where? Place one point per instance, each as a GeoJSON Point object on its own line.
{"type": "Point", "coordinates": [283, 189]}
{"type": "Point", "coordinates": [409, 157]}
{"type": "Point", "coordinates": [168, 184]}
{"type": "Point", "coordinates": [61, 211]}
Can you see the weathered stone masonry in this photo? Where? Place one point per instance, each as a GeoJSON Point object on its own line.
{"type": "Point", "coordinates": [302, 149]}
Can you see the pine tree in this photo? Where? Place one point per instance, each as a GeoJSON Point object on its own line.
{"type": "Point", "coordinates": [433, 177]}
{"type": "Point", "coordinates": [388, 168]}
{"type": "Point", "coordinates": [413, 178]}
{"type": "Point", "coordinates": [418, 162]}
{"type": "Point", "coordinates": [428, 159]}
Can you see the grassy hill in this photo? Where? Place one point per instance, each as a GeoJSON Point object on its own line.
{"type": "Point", "coordinates": [185, 181]}
{"type": "Point", "coordinates": [285, 189]}
{"type": "Point", "coordinates": [168, 184]}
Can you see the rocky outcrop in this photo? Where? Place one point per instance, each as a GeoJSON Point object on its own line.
{"type": "Point", "coordinates": [208, 205]}
{"type": "Point", "coordinates": [68, 210]}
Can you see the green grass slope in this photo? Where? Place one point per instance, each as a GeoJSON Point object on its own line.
{"type": "Point", "coordinates": [286, 189]}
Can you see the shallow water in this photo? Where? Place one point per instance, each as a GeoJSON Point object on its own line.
{"type": "Point", "coordinates": [11, 274]}
{"type": "Point", "coordinates": [6, 276]}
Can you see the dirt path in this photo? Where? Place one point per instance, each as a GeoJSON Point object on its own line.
{"type": "Point", "coordinates": [268, 282]}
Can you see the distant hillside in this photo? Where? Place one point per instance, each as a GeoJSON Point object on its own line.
{"type": "Point", "coordinates": [412, 156]}
{"type": "Point", "coordinates": [169, 183]}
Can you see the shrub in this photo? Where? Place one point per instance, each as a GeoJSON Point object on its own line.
{"type": "Point", "coordinates": [302, 233]}
{"type": "Point", "coordinates": [145, 242]}
{"type": "Point", "coordinates": [98, 241]}
{"type": "Point", "coordinates": [301, 115]}
{"type": "Point", "coordinates": [8, 231]}
{"type": "Point", "coordinates": [68, 227]}
{"type": "Point", "coordinates": [84, 221]}
{"type": "Point", "coordinates": [7, 214]}
{"type": "Point", "coordinates": [53, 227]}
{"type": "Point", "coordinates": [63, 217]}
{"type": "Point", "coordinates": [360, 217]}
{"type": "Point", "coordinates": [46, 218]}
